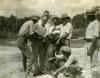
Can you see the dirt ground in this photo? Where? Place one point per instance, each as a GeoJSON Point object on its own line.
{"type": "Point", "coordinates": [11, 58]}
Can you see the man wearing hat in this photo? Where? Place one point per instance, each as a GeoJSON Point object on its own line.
{"type": "Point", "coordinates": [24, 34]}
{"type": "Point", "coordinates": [71, 60]}
{"type": "Point", "coordinates": [66, 30]}
{"type": "Point", "coordinates": [92, 36]}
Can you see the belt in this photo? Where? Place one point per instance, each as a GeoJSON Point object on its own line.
{"type": "Point", "coordinates": [89, 40]}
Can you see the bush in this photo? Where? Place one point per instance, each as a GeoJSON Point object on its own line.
{"type": "Point", "coordinates": [3, 35]}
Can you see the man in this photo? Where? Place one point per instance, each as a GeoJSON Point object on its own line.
{"type": "Point", "coordinates": [25, 31]}
{"type": "Point", "coordinates": [48, 23]}
{"type": "Point", "coordinates": [37, 44]}
{"type": "Point", "coordinates": [46, 13]}
{"type": "Point", "coordinates": [91, 37]}
{"type": "Point", "coordinates": [66, 31]}
{"type": "Point", "coordinates": [74, 60]}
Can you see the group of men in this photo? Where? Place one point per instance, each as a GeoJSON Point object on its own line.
{"type": "Point", "coordinates": [47, 36]}
{"type": "Point", "coordinates": [50, 43]}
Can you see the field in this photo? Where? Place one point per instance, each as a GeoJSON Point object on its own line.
{"type": "Point", "coordinates": [11, 58]}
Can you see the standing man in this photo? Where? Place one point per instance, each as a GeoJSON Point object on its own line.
{"type": "Point", "coordinates": [25, 31]}
{"type": "Point", "coordinates": [91, 37]}
{"type": "Point", "coordinates": [47, 26]}
{"type": "Point", "coordinates": [37, 44]}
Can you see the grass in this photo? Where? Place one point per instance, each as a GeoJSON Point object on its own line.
{"type": "Point", "coordinates": [11, 58]}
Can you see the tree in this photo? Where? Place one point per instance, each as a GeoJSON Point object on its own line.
{"type": "Point", "coordinates": [79, 21]}
{"type": "Point", "coordinates": [2, 23]}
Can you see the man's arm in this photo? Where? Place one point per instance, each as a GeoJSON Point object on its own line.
{"type": "Point", "coordinates": [31, 28]}
{"type": "Point", "coordinates": [65, 35]}
{"type": "Point", "coordinates": [66, 65]}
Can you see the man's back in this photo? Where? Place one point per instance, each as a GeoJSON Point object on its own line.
{"type": "Point", "coordinates": [26, 27]}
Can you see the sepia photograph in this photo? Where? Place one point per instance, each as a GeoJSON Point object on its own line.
{"type": "Point", "coordinates": [49, 38]}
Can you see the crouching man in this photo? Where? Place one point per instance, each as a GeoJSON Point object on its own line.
{"type": "Point", "coordinates": [75, 61]}
{"type": "Point", "coordinates": [59, 60]}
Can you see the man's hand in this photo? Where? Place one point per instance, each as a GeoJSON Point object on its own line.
{"type": "Point", "coordinates": [55, 73]}
{"type": "Point", "coordinates": [58, 41]}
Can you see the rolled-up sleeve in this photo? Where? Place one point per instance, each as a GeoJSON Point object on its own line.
{"type": "Point", "coordinates": [68, 28]}
{"type": "Point", "coordinates": [31, 28]}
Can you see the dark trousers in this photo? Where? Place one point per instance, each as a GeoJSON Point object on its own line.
{"type": "Point", "coordinates": [51, 49]}
{"type": "Point", "coordinates": [26, 52]}
{"type": "Point", "coordinates": [39, 53]}
{"type": "Point", "coordinates": [24, 62]}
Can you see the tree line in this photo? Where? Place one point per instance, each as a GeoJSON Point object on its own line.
{"type": "Point", "coordinates": [13, 24]}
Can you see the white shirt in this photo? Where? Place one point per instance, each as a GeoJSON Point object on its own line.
{"type": "Point", "coordinates": [54, 30]}
{"type": "Point", "coordinates": [40, 30]}
{"type": "Point", "coordinates": [93, 29]}
{"type": "Point", "coordinates": [47, 25]}
{"type": "Point", "coordinates": [27, 28]}
{"type": "Point", "coordinates": [66, 29]}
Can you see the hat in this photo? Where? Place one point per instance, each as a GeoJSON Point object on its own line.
{"type": "Point", "coordinates": [66, 49]}
{"type": "Point", "coordinates": [64, 15]}
{"type": "Point", "coordinates": [54, 17]}
{"type": "Point", "coordinates": [34, 18]}
{"type": "Point", "coordinates": [90, 12]}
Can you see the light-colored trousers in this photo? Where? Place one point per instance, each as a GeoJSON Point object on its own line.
{"type": "Point", "coordinates": [95, 58]}
{"type": "Point", "coordinates": [26, 51]}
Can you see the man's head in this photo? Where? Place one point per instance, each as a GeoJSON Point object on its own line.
{"type": "Point", "coordinates": [46, 13]}
{"type": "Point", "coordinates": [65, 74]}
{"type": "Point", "coordinates": [90, 14]}
{"type": "Point", "coordinates": [44, 20]}
{"type": "Point", "coordinates": [64, 19]}
{"type": "Point", "coordinates": [55, 20]}
{"type": "Point", "coordinates": [35, 20]}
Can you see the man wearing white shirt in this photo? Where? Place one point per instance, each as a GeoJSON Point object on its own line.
{"type": "Point", "coordinates": [66, 31]}
{"type": "Point", "coordinates": [38, 45]}
{"type": "Point", "coordinates": [91, 37]}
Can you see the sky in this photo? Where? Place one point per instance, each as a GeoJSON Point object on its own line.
{"type": "Point", "coordinates": [23, 8]}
